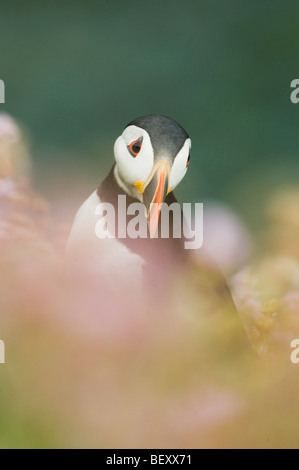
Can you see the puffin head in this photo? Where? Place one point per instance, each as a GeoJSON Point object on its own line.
{"type": "Point", "coordinates": [152, 156]}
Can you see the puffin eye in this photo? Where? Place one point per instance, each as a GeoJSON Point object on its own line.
{"type": "Point", "coordinates": [188, 161]}
{"type": "Point", "coordinates": [135, 147]}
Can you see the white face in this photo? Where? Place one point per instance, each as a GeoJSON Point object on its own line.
{"type": "Point", "coordinates": [180, 165]}
{"type": "Point", "coordinates": [134, 156]}
{"type": "Point", "coordinates": [132, 167]}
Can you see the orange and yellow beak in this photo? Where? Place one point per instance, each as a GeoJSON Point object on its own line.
{"type": "Point", "coordinates": [154, 191]}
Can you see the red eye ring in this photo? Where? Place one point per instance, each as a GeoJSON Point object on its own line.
{"type": "Point", "coordinates": [135, 147]}
{"type": "Point", "coordinates": [188, 161]}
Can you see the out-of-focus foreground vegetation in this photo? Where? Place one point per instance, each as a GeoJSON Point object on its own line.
{"type": "Point", "coordinates": [81, 376]}
{"type": "Point", "coordinates": [86, 369]}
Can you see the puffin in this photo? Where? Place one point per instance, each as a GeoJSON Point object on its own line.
{"type": "Point", "coordinates": [152, 156]}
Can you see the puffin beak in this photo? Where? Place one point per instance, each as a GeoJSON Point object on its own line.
{"type": "Point", "coordinates": [155, 189]}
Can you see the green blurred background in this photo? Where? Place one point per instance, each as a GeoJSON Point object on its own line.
{"type": "Point", "coordinates": [77, 72]}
